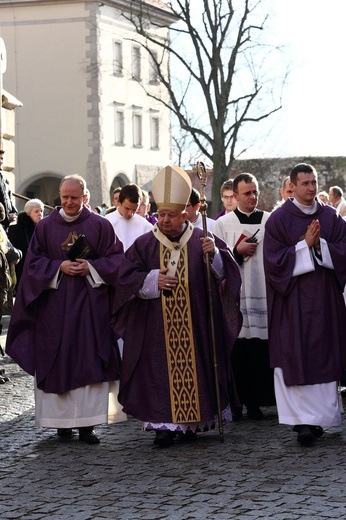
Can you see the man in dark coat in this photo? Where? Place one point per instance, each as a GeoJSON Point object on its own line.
{"type": "Point", "coordinates": [304, 261]}
{"type": "Point", "coordinates": [60, 328]}
{"type": "Point", "coordinates": [162, 314]}
{"type": "Point", "coordinates": [6, 196]}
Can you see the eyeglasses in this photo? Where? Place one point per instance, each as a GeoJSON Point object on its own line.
{"type": "Point", "coordinates": [254, 193]}
{"type": "Point", "coordinates": [227, 197]}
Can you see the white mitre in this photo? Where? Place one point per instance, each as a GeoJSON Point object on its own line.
{"type": "Point", "coordinates": [171, 188]}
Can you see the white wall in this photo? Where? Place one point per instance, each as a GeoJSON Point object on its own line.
{"type": "Point", "coordinates": [60, 65]}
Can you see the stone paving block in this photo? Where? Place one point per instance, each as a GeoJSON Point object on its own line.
{"type": "Point", "coordinates": [260, 471]}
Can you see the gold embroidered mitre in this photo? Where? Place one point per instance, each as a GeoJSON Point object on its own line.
{"type": "Point", "coordinates": [171, 188]}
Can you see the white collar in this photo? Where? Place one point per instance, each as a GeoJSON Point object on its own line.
{"type": "Point", "coordinates": [309, 210]}
{"type": "Point", "coordinates": [67, 217]}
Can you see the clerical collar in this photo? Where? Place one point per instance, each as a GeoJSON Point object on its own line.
{"type": "Point", "coordinates": [245, 213]}
{"type": "Point", "coordinates": [67, 217]}
{"type": "Point", "coordinates": [309, 210]}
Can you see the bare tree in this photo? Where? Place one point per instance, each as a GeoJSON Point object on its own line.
{"type": "Point", "coordinates": [185, 151]}
{"type": "Point", "coordinates": [222, 77]}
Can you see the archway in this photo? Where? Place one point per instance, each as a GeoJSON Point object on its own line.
{"type": "Point", "coordinates": [118, 182]}
{"type": "Point", "coordinates": [45, 188]}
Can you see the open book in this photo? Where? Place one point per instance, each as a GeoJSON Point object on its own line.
{"type": "Point", "coordinates": [81, 249]}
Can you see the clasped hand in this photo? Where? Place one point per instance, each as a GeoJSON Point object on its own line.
{"type": "Point", "coordinates": [312, 236]}
{"type": "Point", "coordinates": [78, 268]}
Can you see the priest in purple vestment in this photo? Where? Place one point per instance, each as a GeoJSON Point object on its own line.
{"type": "Point", "coordinates": [304, 261]}
{"type": "Point", "coordinates": [162, 313]}
{"type": "Point", "coordinates": [60, 329]}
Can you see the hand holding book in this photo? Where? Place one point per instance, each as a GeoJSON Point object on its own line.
{"type": "Point", "coordinates": [249, 238]}
{"type": "Point", "coordinates": [81, 249]}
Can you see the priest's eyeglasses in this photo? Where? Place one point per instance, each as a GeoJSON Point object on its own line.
{"type": "Point", "coordinates": [254, 193]}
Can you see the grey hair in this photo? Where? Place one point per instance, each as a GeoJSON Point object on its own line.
{"type": "Point", "coordinates": [31, 204]}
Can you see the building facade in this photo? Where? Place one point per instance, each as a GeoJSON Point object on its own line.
{"type": "Point", "coordinates": [85, 82]}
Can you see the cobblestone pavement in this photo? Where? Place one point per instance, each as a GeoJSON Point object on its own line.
{"type": "Point", "coordinates": [259, 472]}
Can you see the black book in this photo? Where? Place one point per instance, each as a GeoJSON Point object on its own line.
{"type": "Point", "coordinates": [81, 249]}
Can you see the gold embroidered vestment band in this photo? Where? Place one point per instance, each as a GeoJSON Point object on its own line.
{"type": "Point", "coordinates": [180, 348]}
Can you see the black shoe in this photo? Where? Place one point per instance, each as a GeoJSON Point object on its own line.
{"type": "Point", "coordinates": [163, 438]}
{"type": "Point", "coordinates": [65, 433]}
{"type": "Point", "coordinates": [317, 431]}
{"type": "Point", "coordinates": [306, 435]}
{"type": "Point", "coordinates": [190, 436]}
{"type": "Point", "coordinates": [237, 414]}
{"type": "Point", "coordinates": [187, 436]}
{"type": "Point", "coordinates": [254, 412]}
{"type": "Point", "coordinates": [88, 435]}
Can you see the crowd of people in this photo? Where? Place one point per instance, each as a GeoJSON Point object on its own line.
{"type": "Point", "coordinates": [127, 310]}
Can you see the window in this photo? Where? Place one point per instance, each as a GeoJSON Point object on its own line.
{"type": "Point", "coordinates": [118, 59]}
{"type": "Point", "coordinates": [154, 133]}
{"type": "Point", "coordinates": [136, 62]}
{"type": "Point", "coordinates": [137, 129]}
{"type": "Point", "coordinates": [153, 70]}
{"type": "Point", "coordinates": [119, 127]}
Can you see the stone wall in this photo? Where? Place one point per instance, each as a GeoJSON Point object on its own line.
{"type": "Point", "coordinates": [271, 172]}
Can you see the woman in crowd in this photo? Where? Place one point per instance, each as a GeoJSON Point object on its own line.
{"type": "Point", "coordinates": [20, 233]}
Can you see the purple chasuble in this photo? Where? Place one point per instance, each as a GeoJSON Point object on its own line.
{"type": "Point", "coordinates": [144, 383]}
{"type": "Point", "coordinates": [306, 313]}
{"type": "Point", "coordinates": [221, 214]}
{"type": "Point", "coordinates": [63, 335]}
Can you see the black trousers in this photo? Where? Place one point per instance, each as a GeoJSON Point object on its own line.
{"type": "Point", "coordinates": [253, 376]}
